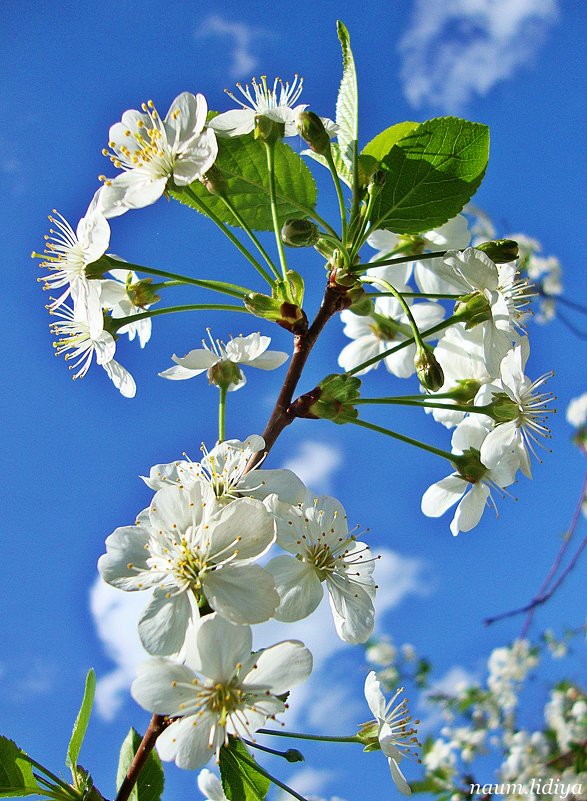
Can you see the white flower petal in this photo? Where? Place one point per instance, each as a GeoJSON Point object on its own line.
{"type": "Point", "coordinates": [299, 588]}
{"type": "Point", "coordinates": [442, 495]}
{"type": "Point", "coordinates": [242, 594]}
{"type": "Point", "coordinates": [124, 565]}
{"type": "Point", "coordinates": [280, 668]}
{"type": "Point", "coordinates": [164, 623]}
{"type": "Point", "coordinates": [186, 741]}
{"type": "Point", "coordinates": [121, 378]}
{"type": "Point", "coordinates": [163, 687]}
{"type": "Point", "coordinates": [221, 646]}
{"type": "Point", "coordinates": [470, 509]}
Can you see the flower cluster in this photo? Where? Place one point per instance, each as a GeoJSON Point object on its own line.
{"type": "Point", "coordinates": [497, 412]}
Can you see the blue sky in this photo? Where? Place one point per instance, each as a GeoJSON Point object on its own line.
{"type": "Point", "coordinates": [73, 453]}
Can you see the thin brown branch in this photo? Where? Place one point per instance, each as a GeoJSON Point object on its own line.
{"type": "Point", "coordinates": [544, 593]}
{"type": "Point", "coordinates": [156, 726]}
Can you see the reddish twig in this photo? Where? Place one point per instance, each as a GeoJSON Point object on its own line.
{"type": "Point", "coordinates": [156, 726]}
{"type": "Point", "coordinates": [544, 594]}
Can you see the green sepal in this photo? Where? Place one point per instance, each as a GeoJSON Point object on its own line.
{"type": "Point", "coordinates": [81, 724]}
{"type": "Point", "coordinates": [16, 772]}
{"type": "Point", "coordinates": [242, 165]}
{"type": "Point", "coordinates": [284, 305]}
{"type": "Point", "coordinates": [151, 780]}
{"type": "Point", "coordinates": [333, 399]}
{"type": "Point", "coordinates": [432, 172]}
{"type": "Point", "coordinates": [240, 781]}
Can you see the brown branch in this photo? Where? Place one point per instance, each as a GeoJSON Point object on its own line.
{"type": "Point", "coordinates": [544, 594]}
{"type": "Point", "coordinates": [156, 726]}
{"type": "Point", "coordinates": [333, 301]}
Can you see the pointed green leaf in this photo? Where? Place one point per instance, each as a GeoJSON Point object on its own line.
{"type": "Point", "coordinates": [381, 144]}
{"type": "Point", "coordinates": [240, 781]}
{"type": "Point", "coordinates": [242, 161]}
{"type": "Point", "coordinates": [81, 722]}
{"type": "Point", "coordinates": [347, 103]}
{"type": "Point", "coordinates": [431, 173]}
{"type": "Point", "coordinates": [149, 786]}
{"type": "Point", "coordinates": [16, 773]}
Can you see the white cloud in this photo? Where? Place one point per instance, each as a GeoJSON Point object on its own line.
{"type": "Point", "coordinates": [315, 462]}
{"type": "Point", "coordinates": [308, 781]}
{"type": "Point", "coordinates": [241, 36]}
{"type": "Point", "coordinates": [116, 615]}
{"type": "Point", "coordinates": [456, 49]}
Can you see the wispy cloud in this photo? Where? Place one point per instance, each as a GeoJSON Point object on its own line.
{"type": "Point", "coordinates": [241, 36]}
{"type": "Point", "coordinates": [456, 49]}
{"type": "Point", "coordinates": [315, 463]}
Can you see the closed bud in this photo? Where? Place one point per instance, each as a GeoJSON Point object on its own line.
{"type": "Point", "coordinates": [428, 369]}
{"type": "Point", "coordinates": [293, 755]}
{"type": "Point", "coordinates": [311, 129]}
{"type": "Point", "coordinates": [377, 182]}
{"type": "Point", "coordinates": [501, 251]}
{"type": "Point", "coordinates": [268, 130]}
{"type": "Point", "coordinates": [473, 309]}
{"type": "Point", "coordinates": [286, 314]}
{"type": "Point", "coordinates": [299, 233]}
{"type": "Point", "coordinates": [142, 293]}
{"type": "Point", "coordinates": [224, 374]}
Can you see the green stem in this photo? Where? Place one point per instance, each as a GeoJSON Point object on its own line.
{"type": "Point", "coordinates": [217, 286]}
{"type": "Point", "coordinates": [355, 198]}
{"type": "Point", "coordinates": [228, 233]}
{"type": "Point", "coordinates": [59, 782]}
{"type": "Point", "coordinates": [372, 279]}
{"type": "Point", "coordinates": [453, 407]}
{"type": "Point", "coordinates": [401, 260]}
{"type": "Point", "coordinates": [429, 332]}
{"type": "Point", "coordinates": [246, 228]}
{"type": "Point", "coordinates": [435, 295]}
{"type": "Point", "coordinates": [363, 233]}
{"type": "Point", "coordinates": [339, 195]}
{"type": "Point", "coordinates": [222, 414]}
{"type": "Point", "coordinates": [298, 736]}
{"type": "Point", "coordinates": [270, 152]}
{"type": "Point", "coordinates": [272, 779]}
{"type": "Point", "coordinates": [134, 318]}
{"type": "Point", "coordinates": [259, 747]}
{"type": "Point", "coordinates": [389, 433]}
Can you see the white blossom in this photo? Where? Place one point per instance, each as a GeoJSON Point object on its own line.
{"type": "Point", "coordinates": [81, 336]}
{"type": "Point", "coordinates": [191, 551]}
{"type": "Point", "coordinates": [115, 297]}
{"type": "Point", "coordinates": [322, 550]}
{"type": "Point", "coordinates": [222, 689]}
{"type": "Point", "coordinates": [472, 494]}
{"type": "Point", "coordinates": [68, 253]}
{"type": "Point", "coordinates": [210, 786]}
{"type": "Point", "coordinates": [508, 667]}
{"type": "Point", "coordinates": [224, 470]}
{"type": "Point", "coordinates": [517, 400]}
{"type": "Point", "coordinates": [277, 102]}
{"type": "Point", "coordinates": [249, 351]}
{"type": "Point", "coordinates": [151, 151]}
{"type": "Point", "coordinates": [396, 734]}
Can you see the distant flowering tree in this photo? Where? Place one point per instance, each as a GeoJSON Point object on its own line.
{"type": "Point", "coordinates": [195, 551]}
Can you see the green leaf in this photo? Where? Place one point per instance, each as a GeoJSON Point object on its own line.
{"type": "Point", "coordinates": [81, 722]}
{"type": "Point", "coordinates": [149, 786]}
{"type": "Point", "coordinates": [242, 162]}
{"type": "Point", "coordinates": [16, 772]}
{"type": "Point", "coordinates": [431, 173]}
{"type": "Point", "coordinates": [381, 144]}
{"type": "Point", "coordinates": [240, 781]}
{"type": "Point", "coordinates": [347, 103]}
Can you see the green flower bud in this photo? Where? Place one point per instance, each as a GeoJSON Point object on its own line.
{"type": "Point", "coordinates": [501, 251]}
{"type": "Point", "coordinates": [473, 309]}
{"type": "Point", "coordinates": [333, 399]}
{"type": "Point", "coordinates": [361, 303]}
{"type": "Point", "coordinates": [311, 129]}
{"type": "Point", "coordinates": [268, 130]}
{"type": "Point", "coordinates": [142, 293]}
{"type": "Point", "coordinates": [428, 369]}
{"type": "Point", "coordinates": [293, 755]}
{"type": "Point", "coordinates": [225, 373]}
{"type": "Point", "coordinates": [299, 233]}
{"type": "Point", "coordinates": [377, 182]}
